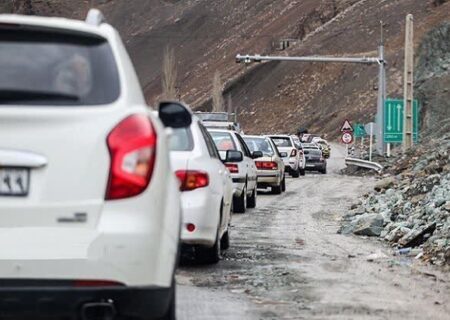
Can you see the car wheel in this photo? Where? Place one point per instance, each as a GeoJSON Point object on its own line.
{"type": "Point", "coordinates": [324, 171]}
{"type": "Point", "coordinates": [296, 174]}
{"type": "Point", "coordinates": [251, 200]}
{"type": "Point", "coordinates": [283, 184]}
{"type": "Point", "coordinates": [302, 172]}
{"type": "Point", "coordinates": [225, 241]}
{"type": "Point", "coordinates": [211, 255]}
{"type": "Point", "coordinates": [240, 203]}
{"type": "Point", "coordinates": [171, 312]}
{"type": "Point", "coordinates": [276, 189]}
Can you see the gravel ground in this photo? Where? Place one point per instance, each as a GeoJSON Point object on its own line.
{"type": "Point", "coordinates": [287, 262]}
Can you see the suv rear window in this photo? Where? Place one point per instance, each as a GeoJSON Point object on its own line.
{"type": "Point", "coordinates": [282, 141]}
{"type": "Point", "coordinates": [55, 67]}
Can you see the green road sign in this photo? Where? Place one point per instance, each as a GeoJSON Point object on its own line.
{"type": "Point", "coordinates": [394, 118]}
{"type": "Point", "coordinates": [359, 130]}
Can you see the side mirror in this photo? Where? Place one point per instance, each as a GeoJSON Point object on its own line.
{"type": "Point", "coordinates": [283, 154]}
{"type": "Point", "coordinates": [306, 152]}
{"type": "Point", "coordinates": [234, 156]}
{"type": "Point", "coordinates": [174, 114]}
{"type": "Point", "coordinates": [257, 154]}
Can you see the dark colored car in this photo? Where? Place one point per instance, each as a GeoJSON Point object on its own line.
{"type": "Point", "coordinates": [315, 161]}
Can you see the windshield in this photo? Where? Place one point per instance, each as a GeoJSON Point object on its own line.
{"type": "Point", "coordinates": [282, 141]}
{"type": "Point", "coordinates": [181, 140]}
{"type": "Point", "coordinates": [42, 67]}
{"type": "Point", "coordinates": [259, 144]}
{"type": "Point", "coordinates": [223, 140]}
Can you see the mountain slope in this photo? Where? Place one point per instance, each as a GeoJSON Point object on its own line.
{"type": "Point", "coordinates": [207, 34]}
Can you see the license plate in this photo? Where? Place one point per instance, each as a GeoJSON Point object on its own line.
{"type": "Point", "coordinates": [14, 182]}
{"type": "Point", "coordinates": [310, 165]}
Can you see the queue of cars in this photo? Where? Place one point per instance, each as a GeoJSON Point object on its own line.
{"type": "Point", "coordinates": [98, 192]}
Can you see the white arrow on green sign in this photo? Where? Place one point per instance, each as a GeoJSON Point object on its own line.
{"type": "Point", "coordinates": [394, 118]}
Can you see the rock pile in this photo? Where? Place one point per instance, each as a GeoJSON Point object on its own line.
{"type": "Point", "coordinates": [410, 206]}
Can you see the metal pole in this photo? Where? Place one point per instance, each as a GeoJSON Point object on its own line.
{"type": "Point", "coordinates": [408, 90]}
{"type": "Point", "coordinates": [258, 58]}
{"type": "Point", "coordinates": [380, 103]}
{"type": "Point", "coordinates": [363, 60]}
{"type": "Point", "coordinates": [371, 141]}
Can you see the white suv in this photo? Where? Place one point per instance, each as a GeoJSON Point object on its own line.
{"type": "Point", "coordinates": [290, 154]}
{"type": "Point", "coordinates": [242, 168]}
{"type": "Point", "coordinates": [207, 191]}
{"type": "Point", "coordinates": [89, 206]}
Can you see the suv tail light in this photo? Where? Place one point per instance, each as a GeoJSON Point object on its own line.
{"type": "Point", "coordinates": [294, 152]}
{"type": "Point", "coordinates": [132, 146]}
{"type": "Point", "coordinates": [232, 167]}
{"type": "Point", "coordinates": [266, 165]}
{"type": "Point", "coordinates": [192, 179]}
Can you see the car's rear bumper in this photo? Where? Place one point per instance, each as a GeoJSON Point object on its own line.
{"type": "Point", "coordinates": [61, 302]}
{"type": "Point", "coordinates": [314, 166]}
{"type": "Point", "coordinates": [291, 164]}
{"type": "Point", "coordinates": [201, 208]}
{"type": "Point", "coordinates": [269, 178]}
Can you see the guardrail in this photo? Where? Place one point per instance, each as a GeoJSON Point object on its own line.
{"type": "Point", "coordinates": [364, 164]}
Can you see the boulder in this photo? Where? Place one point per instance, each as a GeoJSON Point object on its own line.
{"type": "Point", "coordinates": [369, 225]}
{"type": "Point", "coordinates": [384, 184]}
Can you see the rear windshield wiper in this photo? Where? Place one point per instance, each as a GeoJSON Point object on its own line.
{"type": "Point", "coordinates": [8, 95]}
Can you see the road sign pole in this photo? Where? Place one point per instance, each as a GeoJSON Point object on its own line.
{"type": "Point", "coordinates": [408, 94]}
{"type": "Point", "coordinates": [371, 141]}
{"type": "Point", "coordinates": [381, 99]}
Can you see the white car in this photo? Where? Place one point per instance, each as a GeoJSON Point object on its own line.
{"type": "Point", "coordinates": [289, 152]}
{"type": "Point", "coordinates": [90, 208]}
{"type": "Point", "coordinates": [301, 154]}
{"type": "Point", "coordinates": [207, 191]}
{"type": "Point", "coordinates": [269, 164]}
{"type": "Point", "coordinates": [242, 169]}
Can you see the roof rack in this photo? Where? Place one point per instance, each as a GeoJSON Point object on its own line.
{"type": "Point", "coordinates": [95, 17]}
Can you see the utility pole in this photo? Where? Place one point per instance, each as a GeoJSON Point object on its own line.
{"type": "Point", "coordinates": [358, 60]}
{"type": "Point", "coordinates": [408, 89]}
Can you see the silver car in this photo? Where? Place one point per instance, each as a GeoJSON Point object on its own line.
{"type": "Point", "coordinates": [269, 164]}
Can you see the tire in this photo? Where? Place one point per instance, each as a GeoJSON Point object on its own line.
{"type": "Point", "coordinates": [240, 203]}
{"type": "Point", "coordinates": [171, 312]}
{"type": "Point", "coordinates": [283, 184]}
{"type": "Point", "coordinates": [296, 174]}
{"type": "Point", "coordinates": [251, 200]}
{"type": "Point", "coordinates": [277, 189]}
{"type": "Point", "coordinates": [302, 172]}
{"type": "Point", "coordinates": [211, 255]}
{"type": "Point", "coordinates": [323, 171]}
{"type": "Point", "coordinates": [225, 241]}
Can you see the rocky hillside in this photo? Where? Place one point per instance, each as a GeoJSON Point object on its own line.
{"type": "Point", "coordinates": [207, 34]}
{"type": "Point", "coordinates": [410, 206]}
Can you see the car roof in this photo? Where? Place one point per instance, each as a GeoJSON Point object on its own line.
{"type": "Point", "coordinates": [103, 29]}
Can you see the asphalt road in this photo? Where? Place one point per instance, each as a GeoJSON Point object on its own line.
{"type": "Point", "coordinates": [286, 261]}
